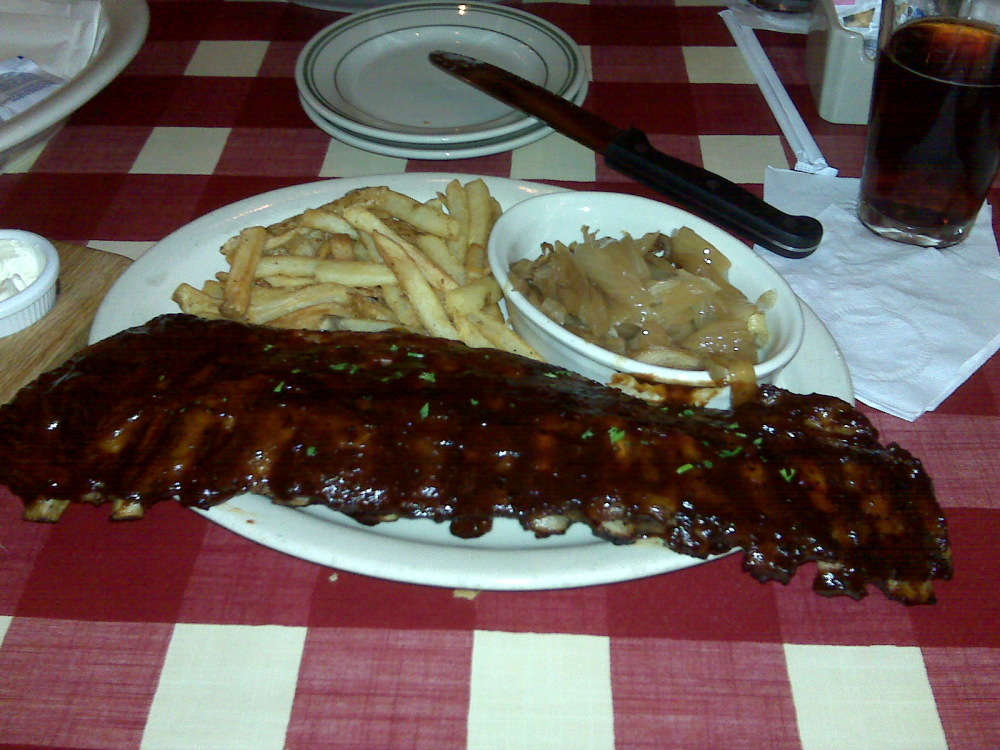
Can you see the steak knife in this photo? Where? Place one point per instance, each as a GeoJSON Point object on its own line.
{"type": "Point", "coordinates": [628, 151]}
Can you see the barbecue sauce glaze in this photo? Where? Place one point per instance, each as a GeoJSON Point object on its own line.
{"type": "Point", "coordinates": [393, 425]}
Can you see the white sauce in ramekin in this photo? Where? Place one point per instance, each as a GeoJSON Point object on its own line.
{"type": "Point", "coordinates": [20, 266]}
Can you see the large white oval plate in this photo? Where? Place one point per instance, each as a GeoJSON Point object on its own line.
{"type": "Point", "coordinates": [369, 73]}
{"type": "Point", "coordinates": [412, 551]}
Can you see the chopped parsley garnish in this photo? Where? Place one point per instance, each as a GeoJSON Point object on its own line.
{"type": "Point", "coordinates": [430, 377]}
{"type": "Point", "coordinates": [425, 410]}
{"type": "Point", "coordinates": [787, 474]}
{"type": "Point", "coordinates": [684, 468]}
{"type": "Point", "coordinates": [587, 434]}
{"type": "Point", "coordinates": [616, 434]}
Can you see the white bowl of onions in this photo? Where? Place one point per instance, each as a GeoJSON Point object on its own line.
{"type": "Point", "coordinates": [606, 283]}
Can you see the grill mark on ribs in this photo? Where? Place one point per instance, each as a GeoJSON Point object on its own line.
{"type": "Point", "coordinates": [393, 425]}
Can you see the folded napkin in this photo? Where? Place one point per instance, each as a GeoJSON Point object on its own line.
{"type": "Point", "coordinates": [913, 323]}
{"type": "Point", "coordinates": [42, 46]}
{"type": "Point", "coordinates": [60, 37]}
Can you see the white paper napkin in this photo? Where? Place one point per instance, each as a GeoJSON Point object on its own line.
{"type": "Point", "coordinates": [60, 37]}
{"type": "Point", "coordinates": [913, 323]}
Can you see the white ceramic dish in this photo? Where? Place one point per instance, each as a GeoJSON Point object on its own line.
{"type": "Point", "coordinates": [521, 232]}
{"type": "Point", "coordinates": [415, 552]}
{"type": "Point", "coordinates": [369, 73]}
{"type": "Point", "coordinates": [32, 303]}
{"type": "Point", "coordinates": [533, 131]}
{"type": "Point", "coordinates": [128, 22]}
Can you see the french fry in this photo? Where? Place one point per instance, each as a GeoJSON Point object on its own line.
{"type": "Point", "coordinates": [338, 247]}
{"type": "Point", "coordinates": [371, 309]}
{"type": "Point", "coordinates": [436, 202]}
{"type": "Point", "coordinates": [475, 295]}
{"type": "Point", "coordinates": [422, 216]}
{"type": "Point", "coordinates": [337, 323]}
{"type": "Point", "coordinates": [348, 272]}
{"type": "Point", "coordinates": [281, 239]}
{"type": "Point", "coordinates": [214, 289]}
{"type": "Point", "coordinates": [482, 296]}
{"type": "Point", "coordinates": [480, 212]}
{"type": "Point", "coordinates": [468, 333]}
{"type": "Point", "coordinates": [368, 222]}
{"type": "Point", "coordinates": [196, 302]}
{"type": "Point", "coordinates": [303, 244]}
{"type": "Point", "coordinates": [285, 265]}
{"type": "Point", "coordinates": [285, 226]}
{"type": "Point", "coordinates": [354, 273]}
{"type": "Point", "coordinates": [309, 317]}
{"type": "Point", "coordinates": [242, 266]}
{"type": "Point", "coordinates": [494, 312]}
{"type": "Point", "coordinates": [458, 206]}
{"type": "Point", "coordinates": [417, 289]}
{"type": "Point", "coordinates": [437, 250]}
{"type": "Point", "coordinates": [270, 304]}
{"type": "Point", "coordinates": [283, 281]}
{"type": "Point", "coordinates": [476, 265]}
{"type": "Point", "coordinates": [503, 337]}
{"type": "Point", "coordinates": [401, 307]}
{"type": "Point", "coordinates": [327, 221]}
{"type": "Point", "coordinates": [365, 196]}
{"type": "Point", "coordinates": [364, 250]}
{"type": "Point", "coordinates": [371, 260]}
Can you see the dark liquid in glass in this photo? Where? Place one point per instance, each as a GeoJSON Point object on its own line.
{"type": "Point", "coordinates": [935, 123]}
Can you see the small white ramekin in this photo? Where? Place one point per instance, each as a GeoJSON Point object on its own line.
{"type": "Point", "coordinates": [30, 305]}
{"type": "Point", "coordinates": [521, 230]}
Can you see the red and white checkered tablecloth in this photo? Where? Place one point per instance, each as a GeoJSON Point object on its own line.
{"type": "Point", "coordinates": [175, 633]}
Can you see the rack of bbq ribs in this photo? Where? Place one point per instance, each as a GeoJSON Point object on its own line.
{"type": "Point", "coordinates": [395, 425]}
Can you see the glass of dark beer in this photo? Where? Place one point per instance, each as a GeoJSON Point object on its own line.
{"type": "Point", "coordinates": [934, 131]}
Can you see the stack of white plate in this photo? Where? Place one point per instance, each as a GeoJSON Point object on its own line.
{"type": "Point", "coordinates": [366, 79]}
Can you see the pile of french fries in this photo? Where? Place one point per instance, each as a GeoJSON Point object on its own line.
{"type": "Point", "coordinates": [372, 260]}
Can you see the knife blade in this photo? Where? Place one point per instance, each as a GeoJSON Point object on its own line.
{"type": "Point", "coordinates": [628, 151]}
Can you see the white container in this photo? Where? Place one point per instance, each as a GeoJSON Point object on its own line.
{"type": "Point", "coordinates": [839, 71]}
{"type": "Point", "coordinates": [521, 230]}
{"type": "Point", "coordinates": [31, 304]}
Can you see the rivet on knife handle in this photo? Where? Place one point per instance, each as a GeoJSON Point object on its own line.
{"type": "Point", "coordinates": [629, 151]}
